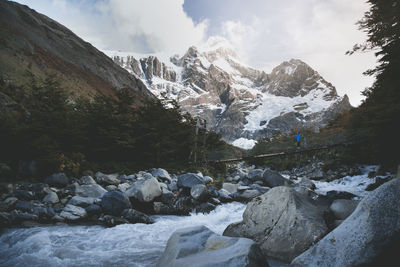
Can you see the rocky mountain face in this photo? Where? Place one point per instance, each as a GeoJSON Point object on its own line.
{"type": "Point", "coordinates": [240, 102]}
{"type": "Point", "coordinates": [35, 45]}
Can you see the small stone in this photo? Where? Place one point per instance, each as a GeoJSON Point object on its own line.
{"type": "Point", "coordinates": [51, 197]}
{"type": "Point", "coordinates": [85, 180]}
{"type": "Point", "coordinates": [81, 201]}
{"type": "Point", "coordinates": [199, 192]}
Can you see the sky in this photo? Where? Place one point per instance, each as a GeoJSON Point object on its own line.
{"type": "Point", "coordinates": [263, 32]}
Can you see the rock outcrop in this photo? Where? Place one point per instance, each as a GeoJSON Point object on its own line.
{"type": "Point", "coordinates": [283, 222]}
{"type": "Point", "coordinates": [199, 246]}
{"type": "Point", "coordinates": [370, 235]}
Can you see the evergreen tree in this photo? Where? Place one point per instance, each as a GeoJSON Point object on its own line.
{"type": "Point", "coordinates": [379, 114]}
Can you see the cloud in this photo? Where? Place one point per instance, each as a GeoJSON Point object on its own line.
{"type": "Point", "coordinates": [317, 32]}
{"type": "Point", "coordinates": [128, 25]}
{"type": "Point", "coordinates": [161, 25]}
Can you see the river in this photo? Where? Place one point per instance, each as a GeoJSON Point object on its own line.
{"type": "Point", "coordinates": [122, 245]}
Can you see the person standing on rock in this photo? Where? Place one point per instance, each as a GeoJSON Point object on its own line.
{"type": "Point", "coordinates": [298, 139]}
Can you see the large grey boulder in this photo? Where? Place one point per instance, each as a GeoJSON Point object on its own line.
{"type": "Point", "coordinates": [199, 246]}
{"type": "Point", "coordinates": [90, 190]}
{"type": "Point", "coordinates": [145, 190]}
{"type": "Point", "coordinates": [342, 208]}
{"type": "Point", "coordinates": [283, 222]}
{"type": "Point", "coordinates": [188, 180]}
{"type": "Point", "coordinates": [369, 232]}
{"type": "Point", "coordinates": [114, 202]}
{"type": "Point", "coordinates": [57, 180]}
{"type": "Point", "coordinates": [273, 179]}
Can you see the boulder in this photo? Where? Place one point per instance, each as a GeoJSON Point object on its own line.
{"type": "Point", "coordinates": [51, 197]}
{"type": "Point", "coordinates": [224, 195]}
{"type": "Point", "coordinates": [57, 180]}
{"type": "Point", "coordinates": [173, 186]}
{"type": "Point", "coordinates": [368, 237]}
{"type": "Point", "coordinates": [114, 202]}
{"type": "Point", "coordinates": [161, 174]}
{"type": "Point", "coordinates": [255, 175]}
{"type": "Point", "coordinates": [199, 246]}
{"type": "Point", "coordinates": [273, 179]}
{"type": "Point", "coordinates": [144, 190]}
{"type": "Point", "coordinates": [283, 222]}
{"type": "Point", "coordinates": [87, 180]}
{"type": "Point", "coordinates": [73, 213]}
{"type": "Point", "coordinates": [111, 187]}
{"type": "Point", "coordinates": [199, 192]}
{"type": "Point", "coordinates": [134, 216]}
{"type": "Point", "coordinates": [123, 187]}
{"type": "Point", "coordinates": [81, 201]}
{"type": "Point", "coordinates": [143, 175]}
{"type": "Point", "coordinates": [231, 188]}
{"type": "Point", "coordinates": [108, 179]}
{"type": "Point", "coordinates": [208, 179]}
{"type": "Point", "coordinates": [188, 180]}
{"type": "Point", "coordinates": [342, 208]}
{"type": "Point", "coordinates": [90, 190]}
{"type": "Point", "coordinates": [93, 209]}
{"type": "Point", "coordinates": [167, 197]}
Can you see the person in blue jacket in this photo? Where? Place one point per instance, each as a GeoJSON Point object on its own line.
{"type": "Point", "coordinates": [298, 139]}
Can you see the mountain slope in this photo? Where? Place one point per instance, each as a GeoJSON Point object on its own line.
{"type": "Point", "coordinates": [240, 102]}
{"type": "Point", "coordinates": [33, 44]}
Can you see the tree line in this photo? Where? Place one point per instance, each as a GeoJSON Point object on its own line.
{"type": "Point", "coordinates": [103, 133]}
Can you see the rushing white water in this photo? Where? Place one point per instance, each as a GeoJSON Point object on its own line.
{"type": "Point", "coordinates": [123, 245]}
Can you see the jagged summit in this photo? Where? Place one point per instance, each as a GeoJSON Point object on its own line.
{"type": "Point", "coordinates": [295, 77]}
{"type": "Point", "coordinates": [240, 102]}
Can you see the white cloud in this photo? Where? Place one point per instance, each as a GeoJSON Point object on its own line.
{"type": "Point", "coordinates": [317, 32]}
{"type": "Point", "coordinates": [163, 25]}
{"type": "Point", "coordinates": [128, 25]}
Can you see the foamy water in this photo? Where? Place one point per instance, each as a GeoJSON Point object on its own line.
{"type": "Point", "coordinates": [122, 245]}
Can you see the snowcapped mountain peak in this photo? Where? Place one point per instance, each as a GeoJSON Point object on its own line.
{"type": "Point", "coordinates": [241, 103]}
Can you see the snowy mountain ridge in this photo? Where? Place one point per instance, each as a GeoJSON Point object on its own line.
{"type": "Point", "coordinates": [240, 102]}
